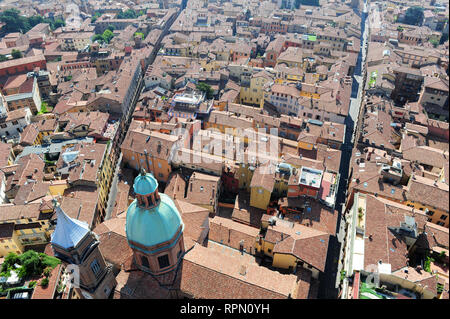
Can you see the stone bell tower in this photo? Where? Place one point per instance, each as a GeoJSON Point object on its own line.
{"type": "Point", "coordinates": [76, 245]}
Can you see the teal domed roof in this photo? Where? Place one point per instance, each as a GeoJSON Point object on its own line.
{"type": "Point", "coordinates": [145, 184]}
{"type": "Point", "coordinates": [153, 226]}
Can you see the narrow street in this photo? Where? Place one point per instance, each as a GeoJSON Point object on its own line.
{"type": "Point", "coordinates": [113, 189]}
{"type": "Point", "coordinates": [329, 283]}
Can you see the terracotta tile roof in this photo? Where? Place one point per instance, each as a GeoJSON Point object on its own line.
{"type": "Point", "coordinates": [139, 140]}
{"type": "Point", "coordinates": [428, 192]}
{"type": "Point", "coordinates": [420, 277]}
{"type": "Point", "coordinates": [121, 204]}
{"type": "Point", "coordinates": [231, 233]}
{"type": "Point", "coordinates": [308, 244]}
{"type": "Point", "coordinates": [13, 212]}
{"type": "Point", "coordinates": [196, 222]}
{"type": "Point", "coordinates": [383, 243]}
{"type": "Point", "coordinates": [46, 125]}
{"type": "Point", "coordinates": [114, 248]}
{"type": "Point", "coordinates": [31, 192]}
{"type": "Point", "coordinates": [246, 214]}
{"type": "Point", "coordinates": [48, 292]}
{"type": "Point", "coordinates": [202, 189]}
{"type": "Point", "coordinates": [138, 285]}
{"type": "Point", "coordinates": [427, 155]}
{"type": "Point", "coordinates": [89, 160]}
{"type": "Point", "coordinates": [5, 153]}
{"type": "Point", "coordinates": [96, 121]}
{"type": "Point", "coordinates": [15, 82]}
{"type": "Point", "coordinates": [436, 83]}
{"type": "Point", "coordinates": [21, 61]}
{"type": "Point", "coordinates": [31, 167]}
{"type": "Point", "coordinates": [316, 217]}
{"type": "Point", "coordinates": [437, 236]}
{"type": "Point", "coordinates": [17, 114]}
{"type": "Point", "coordinates": [264, 177]}
{"type": "Point", "coordinates": [366, 176]}
{"type": "Point", "coordinates": [208, 273]}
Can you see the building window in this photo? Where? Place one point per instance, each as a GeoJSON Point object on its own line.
{"type": "Point", "coordinates": [144, 261]}
{"type": "Point", "coordinates": [95, 267]}
{"type": "Point", "coordinates": [163, 261]}
{"type": "Point", "coordinates": [443, 217]}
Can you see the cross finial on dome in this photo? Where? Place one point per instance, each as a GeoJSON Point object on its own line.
{"type": "Point", "coordinates": [143, 172]}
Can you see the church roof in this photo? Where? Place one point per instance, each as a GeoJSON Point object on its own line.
{"type": "Point", "coordinates": [150, 227]}
{"type": "Point", "coordinates": [68, 231]}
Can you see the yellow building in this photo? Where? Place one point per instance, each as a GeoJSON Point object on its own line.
{"type": "Point", "coordinates": [57, 188]}
{"type": "Point", "coordinates": [149, 150]}
{"type": "Point", "coordinates": [228, 123]}
{"type": "Point", "coordinates": [9, 243]}
{"type": "Point", "coordinates": [262, 186]}
{"type": "Point", "coordinates": [245, 173]}
{"type": "Point", "coordinates": [25, 226]}
{"type": "Point", "coordinates": [429, 196]}
{"type": "Point", "coordinates": [293, 245]}
{"type": "Point", "coordinates": [104, 178]}
{"type": "Point", "coordinates": [255, 92]}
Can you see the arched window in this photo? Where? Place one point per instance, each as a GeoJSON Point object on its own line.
{"type": "Point", "coordinates": [163, 261]}
{"type": "Point", "coordinates": [144, 262]}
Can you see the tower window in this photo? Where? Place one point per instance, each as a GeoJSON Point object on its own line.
{"type": "Point", "coordinates": [163, 261]}
{"type": "Point", "coordinates": [95, 267]}
{"type": "Point", "coordinates": [144, 261]}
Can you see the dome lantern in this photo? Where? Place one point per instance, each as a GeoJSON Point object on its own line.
{"type": "Point", "coordinates": [146, 189]}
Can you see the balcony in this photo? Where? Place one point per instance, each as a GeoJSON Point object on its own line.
{"type": "Point", "coordinates": [33, 239]}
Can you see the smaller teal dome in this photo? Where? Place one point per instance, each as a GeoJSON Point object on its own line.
{"type": "Point", "coordinates": [145, 184]}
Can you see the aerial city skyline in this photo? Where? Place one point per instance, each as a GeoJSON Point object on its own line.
{"type": "Point", "coordinates": [214, 149]}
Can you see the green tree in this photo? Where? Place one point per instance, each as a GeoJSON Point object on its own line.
{"type": "Point", "coordinates": [107, 35]}
{"type": "Point", "coordinates": [414, 16]}
{"type": "Point", "coordinates": [47, 271]}
{"type": "Point", "coordinates": [3, 58]}
{"type": "Point", "coordinates": [10, 260]}
{"type": "Point", "coordinates": [434, 42]}
{"type": "Point", "coordinates": [18, 23]}
{"type": "Point", "coordinates": [31, 264]}
{"type": "Point", "coordinates": [95, 16]}
{"type": "Point", "coordinates": [35, 20]}
{"type": "Point", "coordinates": [16, 54]}
{"type": "Point", "coordinates": [57, 24]}
{"type": "Point", "coordinates": [129, 14]}
{"type": "Point", "coordinates": [14, 21]}
{"type": "Point", "coordinates": [139, 34]}
{"type": "Point", "coordinates": [206, 88]}
{"type": "Point", "coordinates": [44, 282]}
{"type": "Point", "coordinates": [98, 38]}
